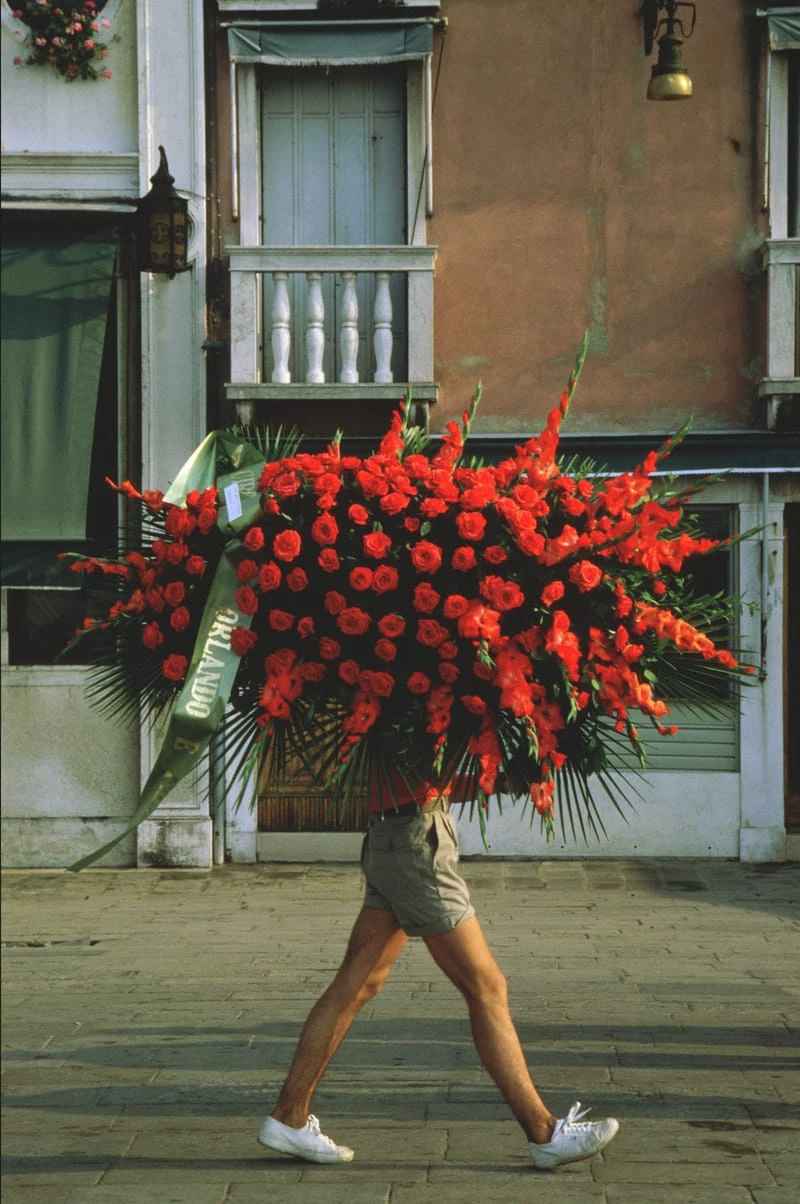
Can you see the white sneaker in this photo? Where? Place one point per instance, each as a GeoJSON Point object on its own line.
{"type": "Point", "coordinates": [306, 1143]}
{"type": "Point", "coordinates": [573, 1139]}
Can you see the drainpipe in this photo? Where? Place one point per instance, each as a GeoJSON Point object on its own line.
{"type": "Point", "coordinates": [762, 671]}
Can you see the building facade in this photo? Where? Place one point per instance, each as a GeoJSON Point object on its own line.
{"type": "Point", "coordinates": [384, 194]}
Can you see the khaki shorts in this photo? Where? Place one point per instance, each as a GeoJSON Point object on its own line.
{"type": "Point", "coordinates": [411, 865]}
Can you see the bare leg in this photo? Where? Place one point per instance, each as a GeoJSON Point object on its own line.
{"type": "Point", "coordinates": [466, 959]}
{"type": "Point", "coordinates": [375, 942]}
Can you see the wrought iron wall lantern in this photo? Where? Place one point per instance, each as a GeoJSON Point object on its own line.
{"type": "Point", "coordinates": [669, 79]}
{"type": "Point", "coordinates": [162, 219]}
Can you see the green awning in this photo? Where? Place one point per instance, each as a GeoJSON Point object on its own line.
{"type": "Point", "coordinates": [55, 303]}
{"type": "Point", "coordinates": [783, 27]}
{"type": "Point", "coordinates": [330, 45]}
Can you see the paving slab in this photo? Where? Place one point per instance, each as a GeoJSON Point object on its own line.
{"type": "Point", "coordinates": [149, 1017]}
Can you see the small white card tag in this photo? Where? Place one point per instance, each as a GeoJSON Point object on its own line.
{"type": "Point", "coordinates": [233, 501]}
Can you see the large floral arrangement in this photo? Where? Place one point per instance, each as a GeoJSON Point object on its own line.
{"type": "Point", "coordinates": [65, 35]}
{"type": "Point", "coordinates": [411, 622]}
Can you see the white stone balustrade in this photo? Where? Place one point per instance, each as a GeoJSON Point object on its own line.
{"type": "Point", "coordinates": [249, 265]}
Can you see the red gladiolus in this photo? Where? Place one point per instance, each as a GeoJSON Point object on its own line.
{"type": "Point", "coordinates": [473, 703]}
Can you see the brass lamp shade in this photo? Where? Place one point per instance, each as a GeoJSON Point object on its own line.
{"type": "Point", "coordinates": [669, 79]}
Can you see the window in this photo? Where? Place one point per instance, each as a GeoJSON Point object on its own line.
{"type": "Point", "coordinates": [59, 424]}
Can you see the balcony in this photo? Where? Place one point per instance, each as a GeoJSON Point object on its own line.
{"type": "Point", "coordinates": [330, 323]}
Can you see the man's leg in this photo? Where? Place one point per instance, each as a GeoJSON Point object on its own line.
{"type": "Point", "coordinates": [375, 942]}
{"type": "Point", "coordinates": [466, 959]}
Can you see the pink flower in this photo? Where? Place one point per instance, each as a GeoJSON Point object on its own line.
{"type": "Point", "coordinates": [107, 74]}
{"type": "Point", "coordinates": [89, 44]}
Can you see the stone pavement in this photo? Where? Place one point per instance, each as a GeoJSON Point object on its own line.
{"type": "Point", "coordinates": [149, 1016]}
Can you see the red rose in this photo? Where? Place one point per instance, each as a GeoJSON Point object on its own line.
{"type": "Point", "coordinates": [463, 559]}
{"type": "Point", "coordinates": [391, 625]}
{"type": "Point", "coordinates": [349, 671]}
{"type": "Point", "coordinates": [334, 602]}
{"type": "Point", "coordinates": [353, 621]}
{"type": "Point", "coordinates": [328, 560]}
{"type": "Point", "coordinates": [394, 502]}
{"type": "Point", "coordinates": [360, 577]}
{"type": "Point", "coordinates": [585, 575]}
{"type": "Point", "coordinates": [471, 524]}
{"type": "Point", "coordinates": [243, 640]}
{"type": "Point", "coordinates": [155, 599]}
{"type": "Point", "coordinates": [426, 598]}
{"type": "Point", "coordinates": [329, 650]}
{"type": "Point", "coordinates": [312, 671]}
{"type": "Point", "coordinates": [385, 650]}
{"type": "Point", "coordinates": [246, 570]}
{"type": "Point", "coordinates": [431, 633]}
{"type": "Point", "coordinates": [325, 529]}
{"type": "Point", "coordinates": [180, 618]}
{"type": "Point", "coordinates": [174, 593]}
{"type": "Point", "coordinates": [246, 600]}
{"type": "Point", "coordinates": [505, 595]}
{"type": "Point", "coordinates": [358, 515]}
{"type": "Point", "coordinates": [531, 543]}
{"type": "Point", "coordinates": [379, 684]}
{"type": "Point", "coordinates": [494, 554]}
{"type": "Point", "coordinates": [418, 683]}
{"type": "Point", "coordinates": [474, 704]}
{"type": "Point", "coordinates": [455, 605]}
{"type": "Point", "coordinates": [305, 627]}
{"type": "Point", "coordinates": [448, 651]}
{"type": "Point", "coordinates": [286, 545]}
{"type": "Point", "coordinates": [175, 553]}
{"type": "Point", "coordinates": [206, 519]}
{"type": "Point", "coordinates": [426, 557]}
{"type": "Point", "coordinates": [195, 566]}
{"type": "Point", "coordinates": [280, 620]}
{"type": "Point", "coordinates": [253, 539]}
{"type": "Point", "coordinates": [269, 577]}
{"type": "Point", "coordinates": [432, 507]}
{"type": "Point", "coordinates": [152, 636]}
{"type": "Point", "coordinates": [297, 580]}
{"type": "Point", "coordinates": [174, 667]}
{"type": "Point", "coordinates": [384, 579]}
{"type": "Point", "coordinates": [377, 544]}
{"type": "Point", "coordinates": [448, 672]}
{"type": "Point", "coordinates": [178, 522]}
{"type": "Point", "coordinates": [285, 484]}
{"type": "Point", "coordinates": [552, 592]}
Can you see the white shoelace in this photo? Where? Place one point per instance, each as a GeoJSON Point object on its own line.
{"type": "Point", "coordinates": [313, 1125]}
{"type": "Point", "coordinates": [571, 1121]}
